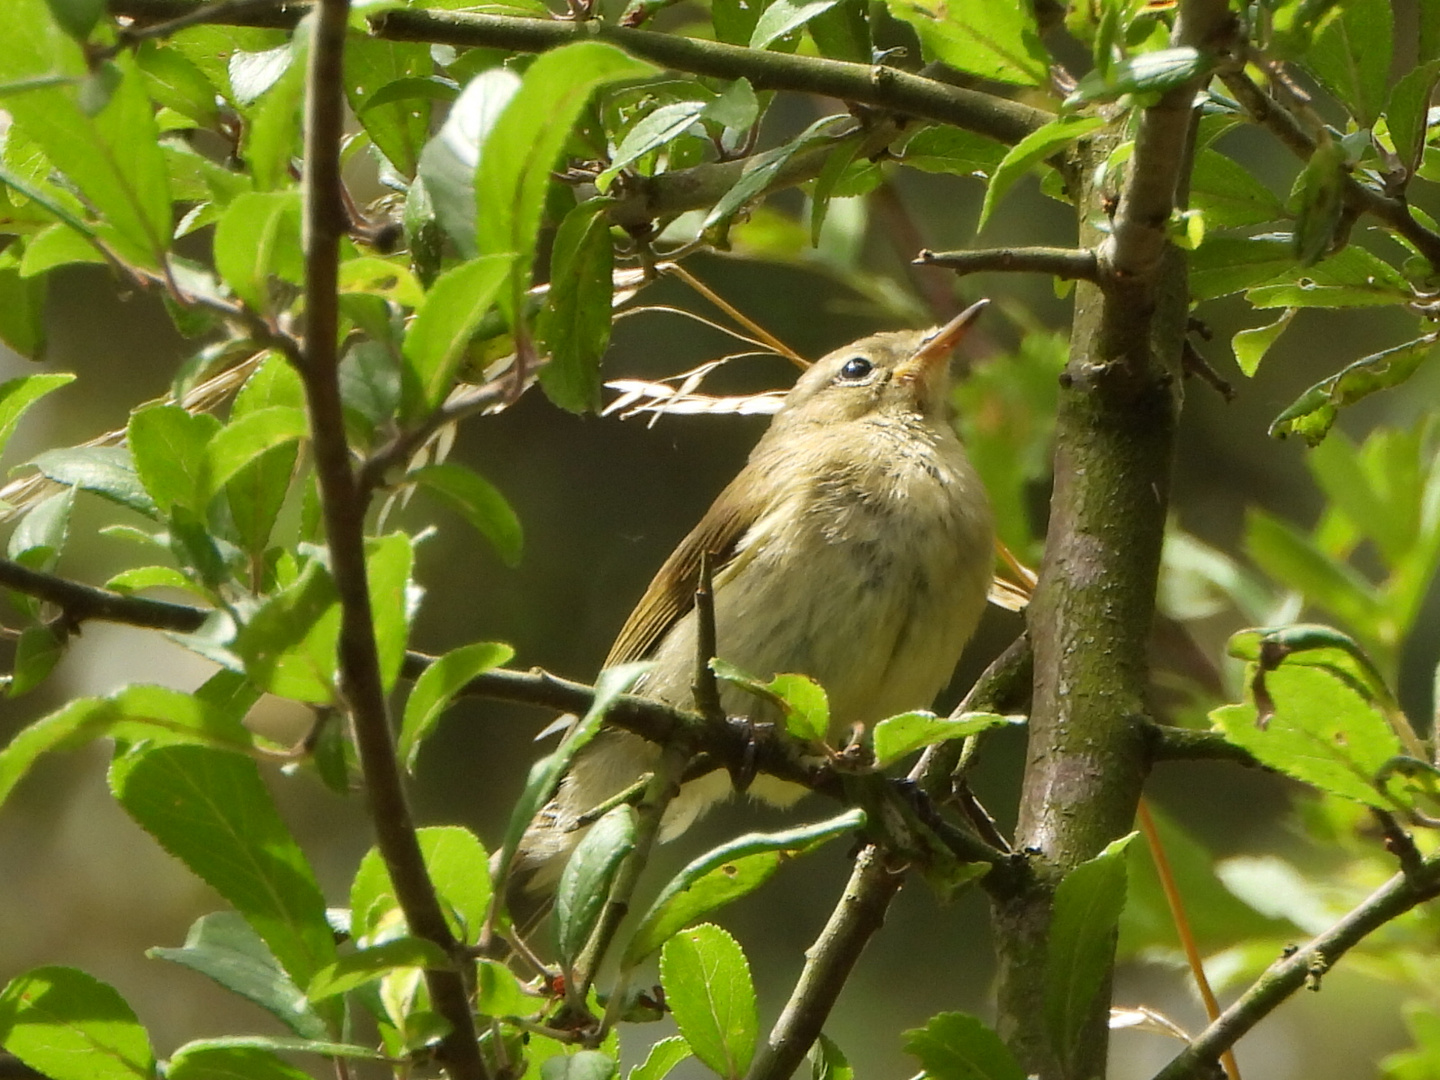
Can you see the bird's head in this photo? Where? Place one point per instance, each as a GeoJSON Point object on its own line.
{"type": "Point", "coordinates": [904, 372]}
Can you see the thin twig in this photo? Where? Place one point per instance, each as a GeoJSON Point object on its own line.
{"type": "Point", "coordinates": [80, 603]}
{"type": "Point", "coordinates": [861, 909]}
{"type": "Point", "coordinates": [1068, 263]}
{"type": "Point", "coordinates": [1288, 974]}
{"type": "Point", "coordinates": [705, 689]}
{"type": "Point", "coordinates": [344, 513]}
{"type": "Point", "coordinates": [767, 338]}
{"type": "Point", "coordinates": [1176, 903]}
{"type": "Point", "coordinates": [1269, 113]}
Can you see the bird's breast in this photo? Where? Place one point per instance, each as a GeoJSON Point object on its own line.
{"type": "Point", "coordinates": [869, 577]}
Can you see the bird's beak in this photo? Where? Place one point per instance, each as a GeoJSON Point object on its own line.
{"type": "Point", "coordinates": [933, 356]}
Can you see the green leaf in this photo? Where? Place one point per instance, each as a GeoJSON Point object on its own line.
{"type": "Point", "coordinates": [516, 160]}
{"type": "Point", "coordinates": [1144, 73]}
{"type": "Point", "coordinates": [499, 993]}
{"type": "Point", "coordinates": [575, 322]}
{"type": "Point", "coordinates": [436, 688]}
{"type": "Point", "coordinates": [831, 174]}
{"type": "Point", "coordinates": [398, 128]}
{"type": "Point", "coordinates": [447, 164]}
{"type": "Point", "coordinates": [103, 470]}
{"type": "Point", "coordinates": [58, 245]}
{"type": "Point", "coordinates": [478, 502]}
{"type": "Point", "coordinates": [1318, 728]}
{"type": "Point", "coordinates": [761, 170]}
{"type": "Point", "coordinates": [1086, 912]}
{"type": "Point", "coordinates": [280, 1044]}
{"type": "Point", "coordinates": [727, 873]}
{"type": "Point", "coordinates": [111, 154]}
{"type": "Point", "coordinates": [1252, 344]}
{"type": "Point", "coordinates": [660, 126]}
{"type": "Point", "coordinates": [545, 774]}
{"type": "Point", "coordinates": [256, 492]}
{"type": "Point", "coordinates": [22, 308]}
{"type": "Point", "coordinates": [37, 651]}
{"type": "Point", "coordinates": [68, 1025]}
{"type": "Point", "coordinates": [1320, 200]}
{"type": "Point", "coordinates": [1030, 151]}
{"type": "Point", "coordinates": [585, 882]}
{"type": "Point", "coordinates": [176, 81]}
{"type": "Point", "coordinates": [170, 447]}
{"type": "Point", "coordinates": [952, 150]}
{"type": "Point", "coordinates": [1229, 194]}
{"type": "Point", "coordinates": [807, 708]}
{"type": "Point", "coordinates": [137, 712]}
{"type": "Point", "coordinates": [896, 736]}
{"type": "Point", "coordinates": [368, 965]}
{"type": "Point", "coordinates": [243, 440]}
{"type": "Point", "coordinates": [288, 645]}
{"type": "Point", "coordinates": [1311, 414]}
{"type": "Point", "coordinates": [957, 1046]}
{"type": "Point", "coordinates": [389, 561]}
{"type": "Point", "coordinates": [210, 809]}
{"type": "Point", "coordinates": [231, 1063]}
{"type": "Point", "coordinates": [843, 32]}
{"type": "Point", "coordinates": [582, 1065]}
{"type": "Point", "coordinates": [77, 17]}
{"type": "Point", "coordinates": [1294, 560]}
{"type": "Point", "coordinates": [458, 868]}
{"type": "Point", "coordinates": [272, 137]}
{"type": "Point", "coordinates": [259, 238]}
{"type": "Point", "coordinates": [784, 17]}
{"type": "Point", "coordinates": [1229, 264]}
{"type": "Point", "coordinates": [662, 1057]}
{"type": "Point", "coordinates": [1352, 277]}
{"type": "Point", "coordinates": [18, 395]}
{"type": "Point", "coordinates": [435, 343]}
{"type": "Point", "coordinates": [995, 39]}
{"type": "Point", "coordinates": [828, 1061]}
{"type": "Point", "coordinates": [708, 989]}
{"type": "Point", "coordinates": [1351, 57]}
{"type": "Point", "coordinates": [223, 947]}
{"type": "Point", "coordinates": [37, 541]}
{"type": "Point", "coordinates": [1407, 114]}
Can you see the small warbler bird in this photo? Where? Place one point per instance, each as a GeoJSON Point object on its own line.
{"type": "Point", "coordinates": [855, 547]}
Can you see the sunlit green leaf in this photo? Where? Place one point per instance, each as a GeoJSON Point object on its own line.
{"type": "Point", "coordinates": [68, 1025]}
{"type": "Point", "coordinates": [708, 989]}
{"type": "Point", "coordinates": [995, 40]}
{"type": "Point", "coordinates": [1030, 151]}
{"type": "Point", "coordinates": [1087, 908]}
{"type": "Point", "coordinates": [210, 809]}
{"type": "Point", "coordinates": [957, 1046]}
{"type": "Point", "coordinates": [437, 687]}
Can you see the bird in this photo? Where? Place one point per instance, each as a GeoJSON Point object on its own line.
{"type": "Point", "coordinates": [856, 547]}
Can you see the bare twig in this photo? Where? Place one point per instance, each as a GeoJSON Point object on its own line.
{"type": "Point", "coordinates": [1290, 972]}
{"type": "Point", "coordinates": [705, 690]}
{"type": "Point", "coordinates": [1176, 903]}
{"type": "Point", "coordinates": [80, 603]}
{"type": "Point", "coordinates": [1067, 263]}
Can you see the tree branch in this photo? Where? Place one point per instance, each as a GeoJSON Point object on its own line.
{"type": "Point", "coordinates": [1288, 974]}
{"type": "Point", "coordinates": [860, 912]}
{"type": "Point", "coordinates": [1195, 744]}
{"type": "Point", "coordinates": [1095, 600]}
{"type": "Point", "coordinates": [1068, 263]}
{"type": "Point", "coordinates": [877, 86]}
{"type": "Point", "coordinates": [1269, 113]}
{"type": "Point", "coordinates": [80, 603]}
{"type": "Point", "coordinates": [344, 513]}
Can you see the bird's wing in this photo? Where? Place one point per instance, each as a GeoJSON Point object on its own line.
{"type": "Point", "coordinates": [671, 594]}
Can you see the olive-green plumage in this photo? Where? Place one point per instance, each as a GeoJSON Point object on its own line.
{"type": "Point", "coordinates": [855, 547]}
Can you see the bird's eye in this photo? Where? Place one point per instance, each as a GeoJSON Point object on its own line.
{"type": "Point", "coordinates": [857, 367]}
